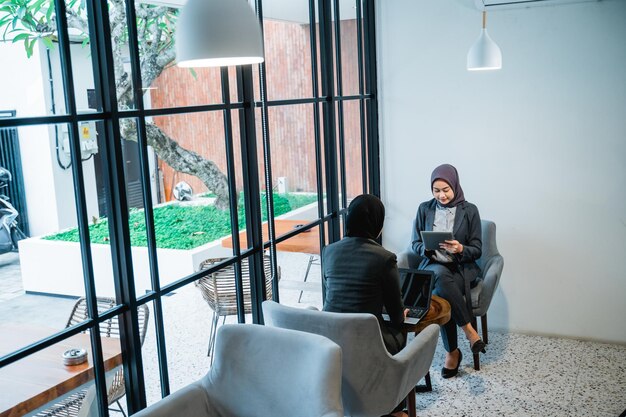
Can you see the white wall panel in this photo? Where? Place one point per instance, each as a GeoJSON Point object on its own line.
{"type": "Point", "coordinates": [540, 146]}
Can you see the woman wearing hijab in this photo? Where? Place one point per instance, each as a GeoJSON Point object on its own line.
{"type": "Point", "coordinates": [454, 264]}
{"type": "Point", "coordinates": [360, 276]}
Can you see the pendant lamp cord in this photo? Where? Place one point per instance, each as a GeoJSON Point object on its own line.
{"type": "Point", "coordinates": [484, 19]}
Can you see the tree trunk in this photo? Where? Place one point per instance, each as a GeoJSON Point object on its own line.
{"type": "Point", "coordinates": [183, 160]}
{"type": "Point", "coordinates": [154, 59]}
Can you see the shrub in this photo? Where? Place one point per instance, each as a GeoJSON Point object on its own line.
{"type": "Point", "coordinates": [184, 226]}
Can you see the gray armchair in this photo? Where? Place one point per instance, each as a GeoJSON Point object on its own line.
{"type": "Point", "coordinates": [491, 264]}
{"type": "Point", "coordinates": [374, 381]}
{"type": "Point", "coordinates": [262, 371]}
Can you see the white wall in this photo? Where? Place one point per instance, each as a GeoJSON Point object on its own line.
{"type": "Point", "coordinates": [64, 184]}
{"type": "Point", "coordinates": [22, 86]}
{"type": "Point", "coordinates": [540, 146]}
{"type": "Point", "coordinates": [25, 87]}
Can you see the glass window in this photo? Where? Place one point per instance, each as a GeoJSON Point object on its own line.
{"type": "Point", "coordinates": [165, 85]}
{"type": "Point", "coordinates": [40, 251]}
{"type": "Point", "coordinates": [192, 176]}
{"type": "Point", "coordinates": [354, 153]}
{"type": "Point", "coordinates": [286, 28]}
{"type": "Point", "coordinates": [349, 45]}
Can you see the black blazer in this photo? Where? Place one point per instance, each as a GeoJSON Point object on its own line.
{"type": "Point", "coordinates": [466, 230]}
{"type": "Point", "coordinates": [360, 276]}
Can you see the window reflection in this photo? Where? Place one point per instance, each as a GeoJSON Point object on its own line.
{"type": "Point", "coordinates": [187, 169]}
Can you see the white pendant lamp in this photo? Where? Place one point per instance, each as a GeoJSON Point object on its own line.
{"type": "Point", "coordinates": [215, 33]}
{"type": "Point", "coordinates": [484, 54]}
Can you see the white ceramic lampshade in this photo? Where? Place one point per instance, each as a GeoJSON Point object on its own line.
{"type": "Point", "coordinates": [211, 33]}
{"type": "Point", "coordinates": [484, 54]}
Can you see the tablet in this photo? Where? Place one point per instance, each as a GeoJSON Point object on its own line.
{"type": "Point", "coordinates": [433, 239]}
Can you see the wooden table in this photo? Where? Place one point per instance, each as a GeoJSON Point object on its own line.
{"type": "Point", "coordinates": [32, 382]}
{"type": "Point", "coordinates": [305, 242]}
{"type": "Point", "coordinates": [439, 313]}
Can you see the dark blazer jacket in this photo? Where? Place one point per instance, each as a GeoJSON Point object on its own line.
{"type": "Point", "coordinates": [360, 276]}
{"type": "Point", "coordinates": [466, 230]}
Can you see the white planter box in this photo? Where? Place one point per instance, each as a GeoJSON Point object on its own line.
{"type": "Point", "coordinates": [55, 267]}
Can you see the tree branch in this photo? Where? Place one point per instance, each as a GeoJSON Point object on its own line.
{"type": "Point", "coordinates": [182, 160]}
{"type": "Point", "coordinates": [156, 52]}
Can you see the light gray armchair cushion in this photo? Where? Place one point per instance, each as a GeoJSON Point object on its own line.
{"type": "Point", "coordinates": [374, 381]}
{"type": "Point", "coordinates": [491, 264]}
{"type": "Point", "coordinates": [262, 371]}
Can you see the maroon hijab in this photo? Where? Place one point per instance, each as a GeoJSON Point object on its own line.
{"type": "Point", "coordinates": [449, 174]}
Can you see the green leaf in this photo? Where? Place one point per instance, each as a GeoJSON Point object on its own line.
{"type": "Point", "coordinates": [29, 23]}
{"type": "Point", "coordinates": [48, 42]}
{"type": "Point", "coordinates": [21, 37]}
{"type": "Point", "coordinates": [193, 73]}
{"type": "Point", "coordinates": [37, 6]}
{"type": "Point", "coordinates": [21, 12]}
{"type": "Point", "coordinates": [29, 51]}
{"type": "Point", "coordinates": [32, 45]}
{"type": "Point", "coordinates": [50, 10]}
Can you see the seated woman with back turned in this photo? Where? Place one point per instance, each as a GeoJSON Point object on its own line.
{"type": "Point", "coordinates": [360, 276]}
{"type": "Point", "coordinates": [454, 265]}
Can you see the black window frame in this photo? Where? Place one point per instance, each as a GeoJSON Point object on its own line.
{"type": "Point", "coordinates": [325, 100]}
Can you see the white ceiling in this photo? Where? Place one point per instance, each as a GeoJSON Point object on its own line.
{"type": "Point", "coordinates": [285, 10]}
{"type": "Point", "coordinates": [516, 4]}
{"type": "Point", "coordinates": [298, 10]}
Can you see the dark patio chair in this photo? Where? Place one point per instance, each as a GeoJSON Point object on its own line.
{"type": "Point", "coordinates": [71, 406]}
{"type": "Point", "coordinates": [219, 291]}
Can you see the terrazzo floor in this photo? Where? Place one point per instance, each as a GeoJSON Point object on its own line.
{"type": "Point", "coordinates": [524, 375]}
{"type": "Point", "coordinates": [521, 375]}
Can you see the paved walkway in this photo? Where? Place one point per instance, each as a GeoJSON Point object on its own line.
{"type": "Point", "coordinates": [18, 307]}
{"type": "Point", "coordinates": [10, 276]}
{"type": "Point", "coordinates": [51, 311]}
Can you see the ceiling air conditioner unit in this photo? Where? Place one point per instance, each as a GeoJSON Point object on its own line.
{"type": "Point", "coordinates": [518, 4]}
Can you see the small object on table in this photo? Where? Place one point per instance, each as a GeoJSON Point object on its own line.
{"type": "Point", "coordinates": [298, 226]}
{"type": "Point", "coordinates": [74, 356]}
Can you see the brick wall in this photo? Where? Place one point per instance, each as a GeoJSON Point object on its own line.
{"type": "Point", "coordinates": [291, 128]}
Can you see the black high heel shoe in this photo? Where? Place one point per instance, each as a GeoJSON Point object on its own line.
{"type": "Point", "coordinates": [449, 373]}
{"type": "Point", "coordinates": [478, 346]}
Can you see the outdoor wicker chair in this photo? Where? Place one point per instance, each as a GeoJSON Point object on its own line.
{"type": "Point", "coordinates": [72, 405]}
{"type": "Point", "coordinates": [218, 290]}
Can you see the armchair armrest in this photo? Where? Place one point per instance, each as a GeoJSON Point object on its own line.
{"type": "Point", "coordinates": [409, 259]}
{"type": "Point", "coordinates": [418, 354]}
{"type": "Point", "coordinates": [490, 279]}
{"type": "Point", "coordinates": [189, 401]}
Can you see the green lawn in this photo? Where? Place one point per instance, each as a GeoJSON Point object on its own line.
{"type": "Point", "coordinates": [184, 226]}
